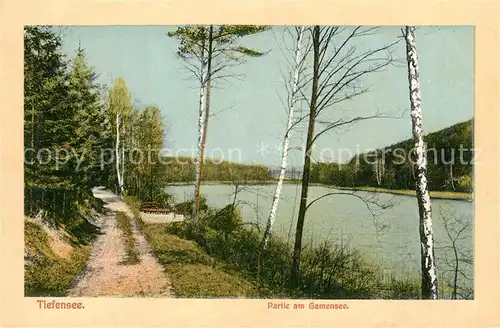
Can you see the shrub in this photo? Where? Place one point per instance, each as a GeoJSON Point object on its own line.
{"type": "Point", "coordinates": [465, 183]}
{"type": "Point", "coordinates": [225, 220]}
{"type": "Point", "coordinates": [186, 208]}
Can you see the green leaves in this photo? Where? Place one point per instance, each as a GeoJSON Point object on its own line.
{"type": "Point", "coordinates": [64, 125]}
{"type": "Point", "coordinates": [120, 99]}
{"type": "Point", "coordinates": [225, 40]}
{"type": "Point", "coordinates": [248, 51]}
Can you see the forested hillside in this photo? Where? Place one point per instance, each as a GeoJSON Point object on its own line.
{"type": "Point", "coordinates": [449, 167]}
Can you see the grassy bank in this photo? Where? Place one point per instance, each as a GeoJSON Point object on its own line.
{"type": "Point", "coordinates": [192, 272]}
{"type": "Point", "coordinates": [450, 195]}
{"type": "Point", "coordinates": [53, 263]}
{"type": "Point", "coordinates": [57, 247]}
{"type": "Point", "coordinates": [216, 256]}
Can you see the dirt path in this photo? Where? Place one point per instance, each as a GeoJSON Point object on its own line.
{"type": "Point", "coordinates": [105, 276]}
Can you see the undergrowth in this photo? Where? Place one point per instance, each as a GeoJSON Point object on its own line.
{"type": "Point", "coordinates": [218, 239]}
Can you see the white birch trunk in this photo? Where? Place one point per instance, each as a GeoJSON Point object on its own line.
{"type": "Point", "coordinates": [201, 128]}
{"type": "Point", "coordinates": [428, 264]}
{"type": "Point", "coordinates": [376, 168]}
{"type": "Point", "coordinates": [379, 170]}
{"type": "Point", "coordinates": [284, 154]}
{"type": "Point", "coordinates": [122, 189]}
{"type": "Point", "coordinates": [117, 153]}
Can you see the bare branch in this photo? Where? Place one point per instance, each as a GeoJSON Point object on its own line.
{"type": "Point", "coordinates": [341, 122]}
{"type": "Point", "coordinates": [367, 201]}
{"type": "Point", "coordinates": [224, 109]}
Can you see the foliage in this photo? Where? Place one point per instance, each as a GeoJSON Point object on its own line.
{"type": "Point", "coordinates": [194, 41]}
{"type": "Point", "coordinates": [193, 272]}
{"type": "Point", "coordinates": [186, 208]}
{"type": "Point", "coordinates": [406, 288]}
{"type": "Point", "coordinates": [465, 183]}
{"type": "Point", "coordinates": [226, 220]}
{"type": "Point", "coordinates": [63, 116]}
{"type": "Point", "coordinates": [145, 177]}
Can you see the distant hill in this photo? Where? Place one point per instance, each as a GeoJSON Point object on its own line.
{"type": "Point", "coordinates": [449, 163]}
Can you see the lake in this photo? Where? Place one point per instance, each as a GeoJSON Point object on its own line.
{"type": "Point", "coordinates": [389, 237]}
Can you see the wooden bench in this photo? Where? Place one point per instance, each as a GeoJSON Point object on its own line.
{"type": "Point", "coordinates": [155, 210]}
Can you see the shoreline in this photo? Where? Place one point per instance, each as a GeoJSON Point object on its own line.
{"type": "Point", "coordinates": [448, 195]}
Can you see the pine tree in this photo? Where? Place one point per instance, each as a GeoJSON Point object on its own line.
{"type": "Point", "coordinates": [64, 129]}
{"type": "Point", "coordinates": [89, 119]}
{"type": "Point", "coordinates": [48, 117]}
{"type": "Point", "coordinates": [207, 51]}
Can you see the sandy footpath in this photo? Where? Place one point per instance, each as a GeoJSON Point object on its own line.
{"type": "Point", "coordinates": [106, 276]}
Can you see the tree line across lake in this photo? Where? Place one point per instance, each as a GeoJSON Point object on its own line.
{"type": "Point", "coordinates": [447, 169]}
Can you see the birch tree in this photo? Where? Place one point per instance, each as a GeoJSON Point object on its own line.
{"type": "Point", "coordinates": [119, 107]}
{"type": "Point", "coordinates": [298, 64]}
{"type": "Point", "coordinates": [338, 71]}
{"type": "Point", "coordinates": [207, 52]}
{"type": "Point", "coordinates": [428, 262]}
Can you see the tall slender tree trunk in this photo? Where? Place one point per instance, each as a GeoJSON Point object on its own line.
{"type": "Point", "coordinates": [122, 189]}
{"type": "Point", "coordinates": [377, 171]}
{"type": "Point", "coordinates": [451, 178]}
{"type": "Point", "coordinates": [307, 161]}
{"type": "Point", "coordinates": [428, 264]}
{"type": "Point", "coordinates": [455, 273]}
{"type": "Point", "coordinates": [286, 141]}
{"type": "Point", "coordinates": [205, 123]}
{"type": "Point", "coordinates": [201, 130]}
{"type": "Point", "coordinates": [32, 149]}
{"type": "Point", "coordinates": [118, 154]}
{"type": "Point", "coordinates": [151, 182]}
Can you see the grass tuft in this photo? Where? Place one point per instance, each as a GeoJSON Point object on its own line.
{"type": "Point", "coordinates": [129, 242]}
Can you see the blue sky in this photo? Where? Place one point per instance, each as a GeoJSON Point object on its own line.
{"type": "Point", "coordinates": [145, 57]}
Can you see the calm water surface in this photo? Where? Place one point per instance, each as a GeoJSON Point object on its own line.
{"type": "Point", "coordinates": [391, 238]}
